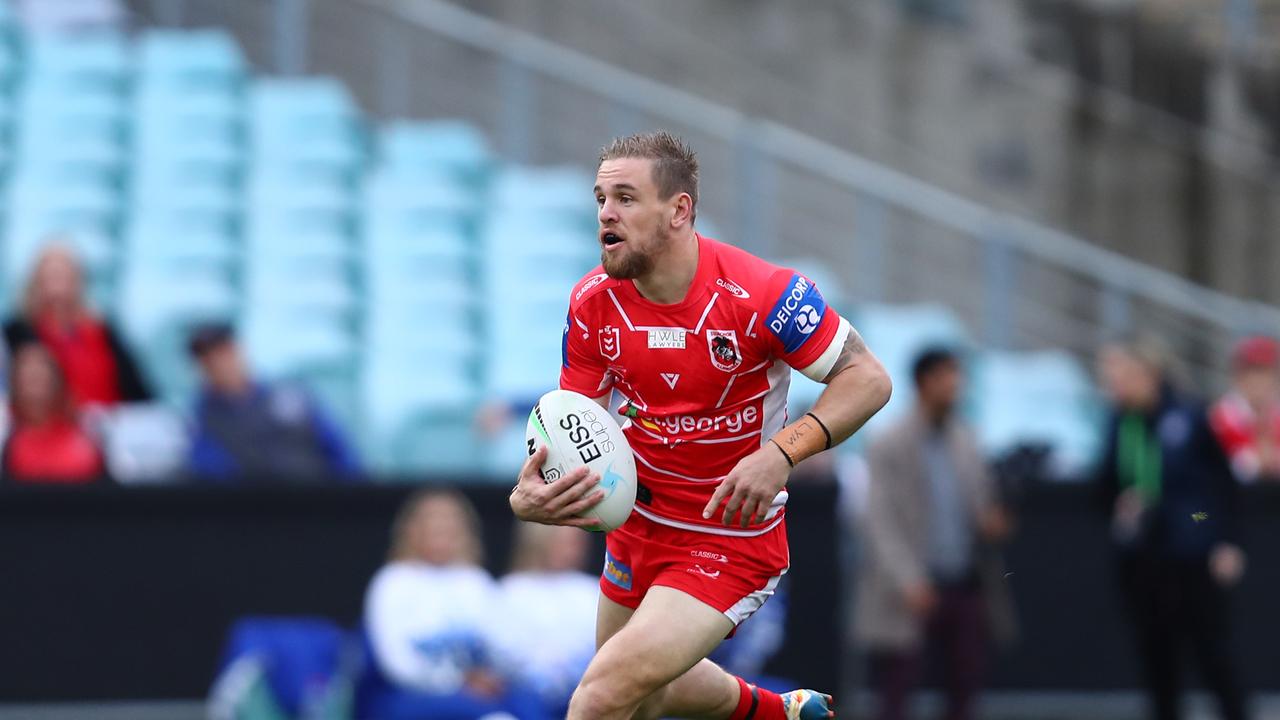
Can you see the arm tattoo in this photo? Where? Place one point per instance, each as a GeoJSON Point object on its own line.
{"type": "Point", "coordinates": [854, 348]}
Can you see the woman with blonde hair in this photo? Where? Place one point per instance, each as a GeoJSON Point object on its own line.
{"type": "Point", "coordinates": [98, 367]}
{"type": "Point", "coordinates": [430, 616]}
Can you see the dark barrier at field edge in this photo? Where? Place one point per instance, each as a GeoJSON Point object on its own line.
{"type": "Point", "coordinates": [128, 592]}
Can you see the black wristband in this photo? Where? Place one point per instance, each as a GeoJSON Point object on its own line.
{"type": "Point", "coordinates": [823, 426]}
{"type": "Point", "coordinates": [790, 462]}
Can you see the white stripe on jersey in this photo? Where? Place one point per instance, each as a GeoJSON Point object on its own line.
{"type": "Point", "coordinates": [621, 312]}
{"type": "Point", "coordinates": [775, 401]}
{"type": "Point", "coordinates": [725, 440]}
{"type": "Point", "coordinates": [709, 529]}
{"type": "Point", "coordinates": [698, 328]}
{"type": "Point", "coordinates": [643, 328]}
{"type": "Point", "coordinates": [655, 468]}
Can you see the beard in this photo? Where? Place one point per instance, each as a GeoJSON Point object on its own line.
{"type": "Point", "coordinates": [630, 266]}
{"type": "Point", "coordinates": [634, 262]}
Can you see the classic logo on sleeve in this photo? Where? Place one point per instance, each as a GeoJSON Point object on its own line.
{"type": "Point", "coordinates": [797, 313]}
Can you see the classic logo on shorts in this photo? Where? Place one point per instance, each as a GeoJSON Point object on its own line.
{"type": "Point", "coordinates": [610, 342]}
{"type": "Point", "coordinates": [723, 345]}
{"type": "Point", "coordinates": [616, 573]}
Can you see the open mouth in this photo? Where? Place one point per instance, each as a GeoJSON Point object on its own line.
{"type": "Point", "coordinates": [610, 239]}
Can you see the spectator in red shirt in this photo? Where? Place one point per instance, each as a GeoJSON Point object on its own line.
{"type": "Point", "coordinates": [1247, 419]}
{"type": "Point", "coordinates": [47, 444]}
{"type": "Point", "coordinates": [99, 370]}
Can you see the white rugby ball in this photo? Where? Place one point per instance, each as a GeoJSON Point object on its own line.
{"type": "Point", "coordinates": [577, 432]}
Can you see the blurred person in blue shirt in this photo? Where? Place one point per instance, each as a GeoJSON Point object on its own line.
{"type": "Point", "coordinates": [254, 430]}
{"type": "Point", "coordinates": [548, 611]}
{"type": "Point", "coordinates": [433, 620]}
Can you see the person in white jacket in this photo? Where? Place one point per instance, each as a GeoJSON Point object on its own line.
{"type": "Point", "coordinates": [430, 614]}
{"type": "Point", "coordinates": [549, 611]}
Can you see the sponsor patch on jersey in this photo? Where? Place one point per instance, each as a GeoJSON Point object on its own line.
{"type": "Point", "coordinates": [723, 345]}
{"type": "Point", "coordinates": [610, 342]}
{"type": "Point", "coordinates": [666, 338]}
{"type": "Point", "coordinates": [616, 572]}
{"type": "Point", "coordinates": [797, 313]}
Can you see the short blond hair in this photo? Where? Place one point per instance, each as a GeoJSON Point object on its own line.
{"type": "Point", "coordinates": [675, 166]}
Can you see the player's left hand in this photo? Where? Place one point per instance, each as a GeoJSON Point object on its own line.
{"type": "Point", "coordinates": [750, 488]}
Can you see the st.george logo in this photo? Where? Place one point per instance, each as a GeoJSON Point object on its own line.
{"type": "Point", "coordinates": [610, 342]}
{"type": "Point", "coordinates": [723, 345]}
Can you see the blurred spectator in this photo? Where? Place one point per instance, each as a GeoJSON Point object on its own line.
{"type": "Point", "coordinates": [99, 369]}
{"type": "Point", "coordinates": [933, 579]}
{"type": "Point", "coordinates": [257, 430]}
{"type": "Point", "coordinates": [549, 611]}
{"type": "Point", "coordinates": [1247, 419]}
{"type": "Point", "coordinates": [430, 614]}
{"type": "Point", "coordinates": [1170, 493]}
{"type": "Point", "coordinates": [47, 444]}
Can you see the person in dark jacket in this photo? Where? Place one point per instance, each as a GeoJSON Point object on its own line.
{"type": "Point", "coordinates": [1169, 488]}
{"type": "Point", "coordinates": [99, 369]}
{"type": "Point", "coordinates": [252, 430]}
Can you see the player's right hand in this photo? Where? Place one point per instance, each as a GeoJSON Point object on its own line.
{"type": "Point", "coordinates": [558, 502]}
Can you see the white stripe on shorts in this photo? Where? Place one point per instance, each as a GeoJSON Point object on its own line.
{"type": "Point", "coordinates": [747, 606]}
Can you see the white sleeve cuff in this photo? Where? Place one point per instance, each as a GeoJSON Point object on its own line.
{"type": "Point", "coordinates": [820, 368]}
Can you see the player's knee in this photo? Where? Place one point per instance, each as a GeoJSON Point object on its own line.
{"type": "Point", "coordinates": [607, 691]}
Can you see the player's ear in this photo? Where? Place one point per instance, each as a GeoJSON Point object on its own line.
{"type": "Point", "coordinates": [682, 211]}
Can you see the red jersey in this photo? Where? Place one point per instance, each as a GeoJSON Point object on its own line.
{"type": "Point", "coordinates": [703, 381]}
{"type": "Point", "coordinates": [1241, 433]}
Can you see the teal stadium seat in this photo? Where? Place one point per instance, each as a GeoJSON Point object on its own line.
{"type": "Point", "coordinates": [451, 149]}
{"type": "Point", "coordinates": [310, 124]}
{"type": "Point", "coordinates": [158, 306]}
{"type": "Point", "coordinates": [896, 334]}
{"type": "Point", "coordinates": [190, 59]}
{"type": "Point", "coordinates": [419, 412]}
{"type": "Point", "coordinates": [150, 242]}
{"type": "Point", "coordinates": [80, 61]}
{"type": "Point", "coordinates": [1040, 397]}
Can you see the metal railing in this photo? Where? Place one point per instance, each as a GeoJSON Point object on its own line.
{"type": "Point", "coordinates": [888, 236]}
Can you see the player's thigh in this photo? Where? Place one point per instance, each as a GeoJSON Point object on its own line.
{"type": "Point", "coordinates": [610, 618]}
{"type": "Point", "coordinates": [668, 634]}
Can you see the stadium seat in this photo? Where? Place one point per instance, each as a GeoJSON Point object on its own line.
{"type": "Point", "coordinates": [417, 407]}
{"type": "Point", "coordinates": [450, 149]}
{"type": "Point", "coordinates": [316, 113]}
{"type": "Point", "coordinates": [896, 334]}
{"type": "Point", "coordinates": [158, 306]}
{"type": "Point", "coordinates": [1037, 398]}
{"type": "Point", "coordinates": [190, 58]}
{"type": "Point", "coordinates": [560, 189]}
{"type": "Point", "coordinates": [90, 60]}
